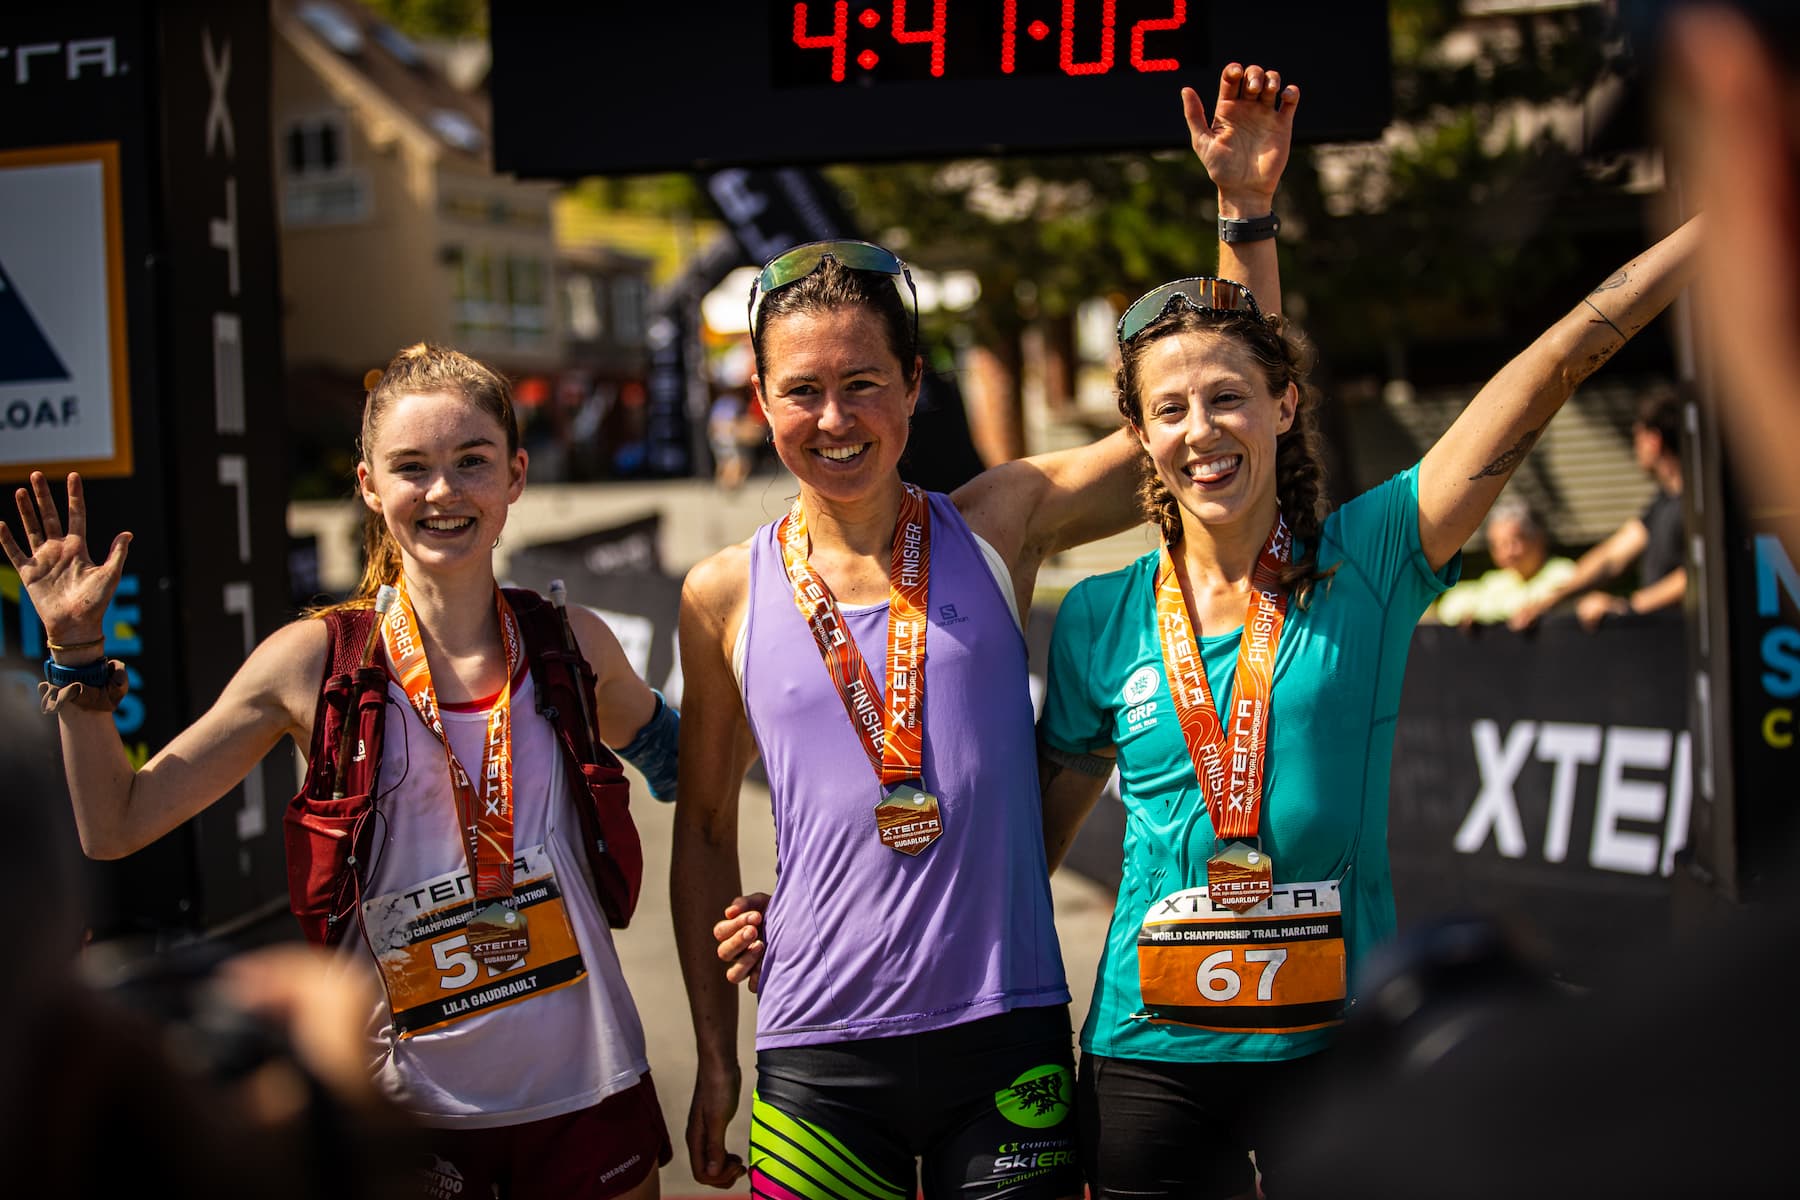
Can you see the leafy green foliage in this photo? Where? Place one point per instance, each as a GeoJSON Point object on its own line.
{"type": "Point", "coordinates": [434, 18]}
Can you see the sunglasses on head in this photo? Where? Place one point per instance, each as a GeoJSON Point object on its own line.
{"type": "Point", "coordinates": [1202, 293]}
{"type": "Point", "coordinates": [795, 264]}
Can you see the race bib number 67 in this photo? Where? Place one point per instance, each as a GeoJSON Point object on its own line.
{"type": "Point", "coordinates": [1275, 968]}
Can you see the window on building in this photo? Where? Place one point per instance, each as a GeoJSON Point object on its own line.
{"type": "Point", "coordinates": [479, 308]}
{"type": "Point", "coordinates": [581, 302]}
{"type": "Point", "coordinates": [526, 317]}
{"type": "Point", "coordinates": [315, 146]}
{"type": "Point", "coordinates": [628, 304]}
{"type": "Point", "coordinates": [319, 187]}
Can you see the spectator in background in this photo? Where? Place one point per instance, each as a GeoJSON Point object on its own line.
{"type": "Point", "coordinates": [1653, 540]}
{"type": "Point", "coordinates": [731, 444]}
{"type": "Point", "coordinates": [1524, 570]}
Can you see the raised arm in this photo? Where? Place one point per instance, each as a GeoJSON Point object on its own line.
{"type": "Point", "coordinates": [1462, 475]}
{"type": "Point", "coordinates": [119, 810]}
{"type": "Point", "coordinates": [1245, 151]}
{"type": "Point", "coordinates": [1031, 508]}
{"type": "Point", "coordinates": [704, 876]}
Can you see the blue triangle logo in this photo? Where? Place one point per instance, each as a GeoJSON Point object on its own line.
{"type": "Point", "coordinates": [26, 355]}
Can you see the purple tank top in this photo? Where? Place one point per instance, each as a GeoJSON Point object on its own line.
{"type": "Point", "coordinates": [864, 941]}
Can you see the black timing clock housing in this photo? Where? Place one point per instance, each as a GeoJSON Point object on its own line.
{"type": "Point", "coordinates": [620, 86]}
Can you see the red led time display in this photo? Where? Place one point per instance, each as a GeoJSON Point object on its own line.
{"type": "Point", "coordinates": [780, 83]}
{"type": "Point", "coordinates": [873, 41]}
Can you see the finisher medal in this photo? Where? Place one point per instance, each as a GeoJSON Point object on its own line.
{"type": "Point", "coordinates": [1239, 877]}
{"type": "Point", "coordinates": [907, 819]}
{"type": "Point", "coordinates": [889, 722]}
{"type": "Point", "coordinates": [497, 936]}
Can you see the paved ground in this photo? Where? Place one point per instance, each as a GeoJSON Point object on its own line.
{"type": "Point", "coordinates": [647, 951]}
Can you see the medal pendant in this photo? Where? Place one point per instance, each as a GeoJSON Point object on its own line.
{"type": "Point", "coordinates": [1240, 877]}
{"type": "Point", "coordinates": [497, 936]}
{"type": "Point", "coordinates": [907, 819]}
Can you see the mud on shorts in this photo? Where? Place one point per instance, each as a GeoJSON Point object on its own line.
{"type": "Point", "coordinates": [986, 1108]}
{"type": "Point", "coordinates": [590, 1154]}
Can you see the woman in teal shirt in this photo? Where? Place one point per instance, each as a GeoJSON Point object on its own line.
{"type": "Point", "coordinates": [1261, 649]}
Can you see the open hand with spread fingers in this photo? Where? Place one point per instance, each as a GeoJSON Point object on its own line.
{"type": "Point", "coordinates": [1245, 146]}
{"type": "Point", "coordinates": [68, 589]}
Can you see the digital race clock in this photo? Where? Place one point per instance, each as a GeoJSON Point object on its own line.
{"type": "Point", "coordinates": [816, 44]}
{"type": "Point", "coordinates": [628, 87]}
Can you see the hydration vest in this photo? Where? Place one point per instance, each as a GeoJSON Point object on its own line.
{"type": "Point", "coordinates": [328, 840]}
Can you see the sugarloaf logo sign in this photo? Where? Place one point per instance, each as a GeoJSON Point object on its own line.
{"type": "Point", "coordinates": [63, 399]}
{"type": "Point", "coordinates": [28, 356]}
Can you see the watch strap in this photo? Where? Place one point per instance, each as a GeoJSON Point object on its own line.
{"type": "Point", "coordinates": [1248, 229]}
{"type": "Point", "coordinates": [93, 674]}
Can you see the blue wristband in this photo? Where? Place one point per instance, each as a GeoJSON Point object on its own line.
{"type": "Point", "coordinates": [652, 751]}
{"type": "Point", "coordinates": [92, 674]}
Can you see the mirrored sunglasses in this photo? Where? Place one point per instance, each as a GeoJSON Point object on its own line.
{"type": "Point", "coordinates": [795, 264]}
{"type": "Point", "coordinates": [1202, 293]}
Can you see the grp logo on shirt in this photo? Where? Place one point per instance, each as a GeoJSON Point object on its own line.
{"type": "Point", "coordinates": [1141, 686]}
{"type": "Point", "coordinates": [1138, 696]}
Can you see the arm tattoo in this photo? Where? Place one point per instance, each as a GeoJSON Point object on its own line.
{"type": "Point", "coordinates": [1511, 458]}
{"type": "Point", "coordinates": [1615, 280]}
{"type": "Point", "coordinates": [1606, 318]}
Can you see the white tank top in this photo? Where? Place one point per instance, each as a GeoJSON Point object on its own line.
{"type": "Point", "coordinates": [540, 1056]}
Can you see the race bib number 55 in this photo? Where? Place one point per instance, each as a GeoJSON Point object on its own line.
{"type": "Point", "coordinates": [426, 961]}
{"type": "Point", "coordinates": [1275, 968]}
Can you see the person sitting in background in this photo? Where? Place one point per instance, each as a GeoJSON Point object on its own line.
{"type": "Point", "coordinates": [1653, 540]}
{"type": "Point", "coordinates": [1524, 570]}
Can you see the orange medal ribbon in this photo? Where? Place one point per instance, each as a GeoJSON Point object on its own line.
{"type": "Point", "coordinates": [892, 734]}
{"type": "Point", "coordinates": [1231, 779]}
{"type": "Point", "coordinates": [484, 810]}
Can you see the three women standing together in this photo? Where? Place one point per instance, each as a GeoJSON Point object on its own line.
{"type": "Point", "coordinates": [868, 646]}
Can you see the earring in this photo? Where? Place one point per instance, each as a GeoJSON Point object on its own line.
{"type": "Point", "coordinates": [496, 544]}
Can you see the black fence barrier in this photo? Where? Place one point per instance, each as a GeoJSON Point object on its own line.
{"type": "Point", "coordinates": [1545, 777]}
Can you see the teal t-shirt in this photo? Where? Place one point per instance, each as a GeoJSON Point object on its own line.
{"type": "Point", "coordinates": [1336, 695]}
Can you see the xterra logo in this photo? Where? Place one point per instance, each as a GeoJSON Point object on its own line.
{"type": "Point", "coordinates": [1629, 786]}
{"type": "Point", "coordinates": [68, 61]}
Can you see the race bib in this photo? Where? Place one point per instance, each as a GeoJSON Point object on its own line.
{"type": "Point", "coordinates": [1277, 967]}
{"type": "Point", "coordinates": [431, 973]}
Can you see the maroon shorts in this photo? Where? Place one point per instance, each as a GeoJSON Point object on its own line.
{"type": "Point", "coordinates": [591, 1154]}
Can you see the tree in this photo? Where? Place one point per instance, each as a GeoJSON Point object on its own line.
{"type": "Point", "coordinates": [434, 18]}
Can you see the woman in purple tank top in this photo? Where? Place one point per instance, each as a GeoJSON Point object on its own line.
{"type": "Point", "coordinates": [868, 648]}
